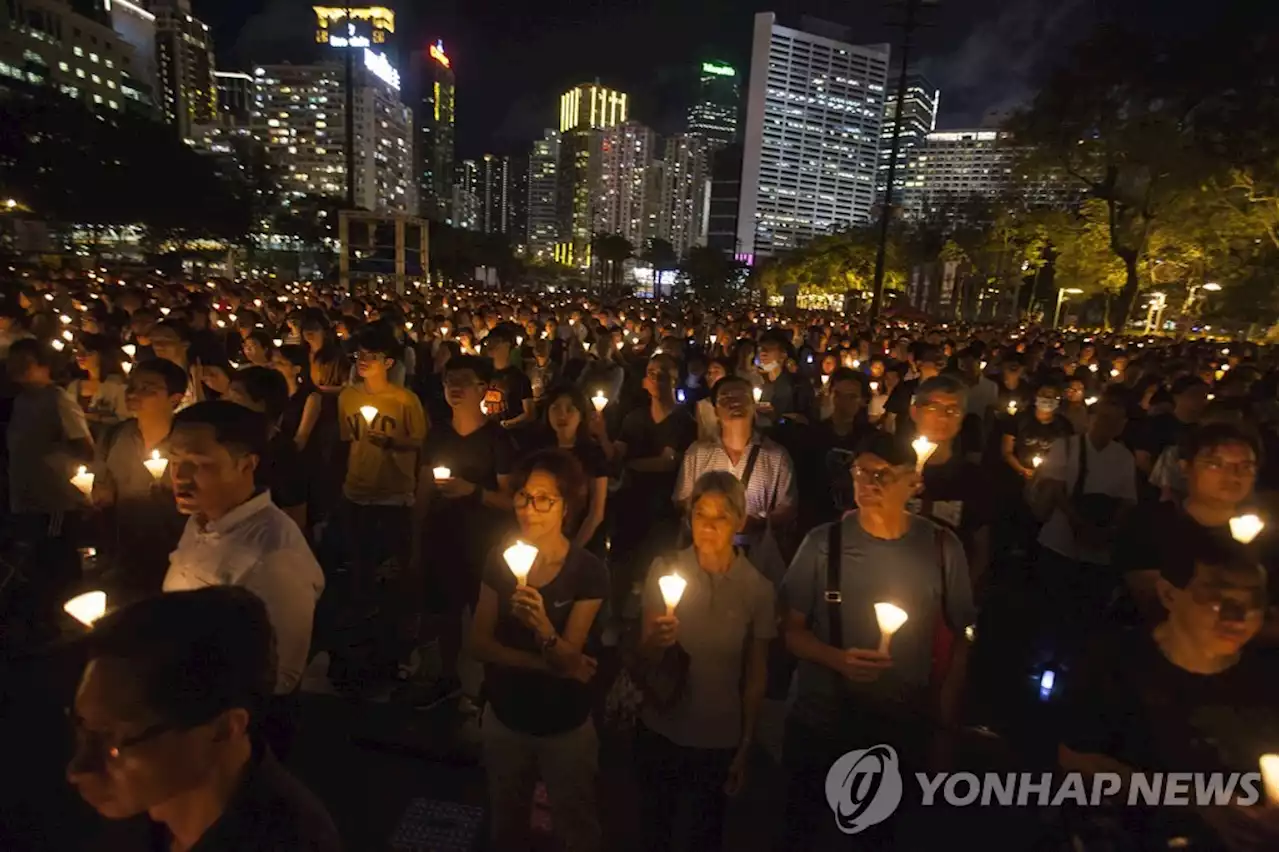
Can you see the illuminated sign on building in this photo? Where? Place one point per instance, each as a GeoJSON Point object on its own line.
{"type": "Point", "coordinates": [380, 67]}
{"type": "Point", "coordinates": [437, 53]}
{"type": "Point", "coordinates": [364, 25]}
{"type": "Point", "coordinates": [718, 70]}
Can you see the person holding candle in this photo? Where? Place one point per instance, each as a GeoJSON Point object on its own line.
{"type": "Point", "coordinates": [929, 362]}
{"type": "Point", "coordinates": [101, 390]}
{"type": "Point", "coordinates": [697, 751]}
{"type": "Point", "coordinates": [48, 440]}
{"type": "Point", "coordinates": [1191, 694]}
{"type": "Point", "coordinates": [169, 720]}
{"type": "Point", "coordinates": [142, 523]}
{"type": "Point", "coordinates": [847, 693]}
{"type": "Point", "coordinates": [510, 395]}
{"type": "Point", "coordinates": [568, 421]}
{"type": "Point", "coordinates": [534, 639]}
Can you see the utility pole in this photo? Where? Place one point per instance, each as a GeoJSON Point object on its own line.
{"type": "Point", "coordinates": [909, 24]}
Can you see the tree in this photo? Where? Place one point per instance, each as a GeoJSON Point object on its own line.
{"type": "Point", "coordinates": [712, 275]}
{"type": "Point", "coordinates": [611, 250]}
{"type": "Point", "coordinates": [661, 255]}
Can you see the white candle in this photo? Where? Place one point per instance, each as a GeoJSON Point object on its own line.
{"type": "Point", "coordinates": [1091, 400]}
{"type": "Point", "coordinates": [825, 379]}
{"type": "Point", "coordinates": [875, 387]}
{"type": "Point", "coordinates": [1036, 461]}
{"type": "Point", "coordinates": [66, 320]}
{"type": "Point", "coordinates": [672, 588]}
{"type": "Point", "coordinates": [924, 449]}
{"type": "Point", "coordinates": [1270, 766]}
{"type": "Point", "coordinates": [713, 340]}
{"type": "Point", "coordinates": [756, 393]}
{"type": "Point", "coordinates": [890, 618]}
{"type": "Point", "coordinates": [519, 557]}
{"type": "Point", "coordinates": [1093, 368]}
{"type": "Point", "coordinates": [129, 349]}
{"type": "Point", "coordinates": [368, 412]}
{"type": "Point", "coordinates": [1013, 406]}
{"type": "Point", "coordinates": [277, 343]}
{"type": "Point", "coordinates": [599, 400]}
{"type": "Point", "coordinates": [87, 608]}
{"type": "Point", "coordinates": [83, 480]}
{"type": "Point", "coordinates": [1245, 528]}
{"type": "Point", "coordinates": [127, 366]}
{"type": "Point", "coordinates": [156, 465]}
{"type": "Point", "coordinates": [441, 473]}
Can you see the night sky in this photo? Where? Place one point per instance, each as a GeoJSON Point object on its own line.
{"type": "Point", "coordinates": [512, 58]}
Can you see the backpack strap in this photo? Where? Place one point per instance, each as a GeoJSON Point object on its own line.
{"type": "Point", "coordinates": [835, 621]}
{"type": "Point", "coordinates": [751, 466]}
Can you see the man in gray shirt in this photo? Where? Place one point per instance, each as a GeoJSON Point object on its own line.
{"type": "Point", "coordinates": [847, 693]}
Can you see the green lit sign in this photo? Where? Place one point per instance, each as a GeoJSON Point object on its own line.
{"type": "Point", "coordinates": [718, 70]}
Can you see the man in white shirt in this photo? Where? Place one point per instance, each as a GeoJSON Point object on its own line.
{"type": "Point", "coordinates": [236, 536]}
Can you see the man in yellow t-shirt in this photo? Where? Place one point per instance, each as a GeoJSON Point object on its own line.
{"type": "Point", "coordinates": [383, 426]}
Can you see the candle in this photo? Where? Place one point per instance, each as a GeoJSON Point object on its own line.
{"type": "Point", "coordinates": [1115, 373]}
{"type": "Point", "coordinates": [277, 343]}
{"type": "Point", "coordinates": [924, 449]}
{"type": "Point", "coordinates": [672, 587]}
{"type": "Point", "coordinates": [68, 336]}
{"type": "Point", "coordinates": [129, 349]}
{"type": "Point", "coordinates": [1091, 400]}
{"type": "Point", "coordinates": [875, 387]}
{"type": "Point", "coordinates": [1036, 461]}
{"type": "Point", "coordinates": [83, 480]}
{"type": "Point", "coordinates": [756, 393]}
{"type": "Point", "coordinates": [982, 365]}
{"type": "Point", "coordinates": [599, 400]}
{"type": "Point", "coordinates": [368, 412]}
{"type": "Point", "coordinates": [1093, 368]}
{"type": "Point", "coordinates": [856, 363]}
{"type": "Point", "coordinates": [441, 473]}
{"type": "Point", "coordinates": [127, 366]}
{"type": "Point", "coordinates": [890, 618]}
{"type": "Point", "coordinates": [64, 319]}
{"type": "Point", "coordinates": [87, 608]}
{"type": "Point", "coordinates": [1245, 528]}
{"type": "Point", "coordinates": [713, 340]}
{"type": "Point", "coordinates": [1013, 406]}
{"type": "Point", "coordinates": [1270, 766]}
{"type": "Point", "coordinates": [156, 465]}
{"type": "Point", "coordinates": [825, 379]}
{"type": "Point", "coordinates": [519, 557]}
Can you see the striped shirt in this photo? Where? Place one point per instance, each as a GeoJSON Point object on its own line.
{"type": "Point", "coordinates": [772, 484]}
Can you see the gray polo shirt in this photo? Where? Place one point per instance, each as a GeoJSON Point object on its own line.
{"type": "Point", "coordinates": [910, 572]}
{"type": "Point", "coordinates": [717, 614]}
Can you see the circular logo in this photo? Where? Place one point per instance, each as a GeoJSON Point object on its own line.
{"type": "Point", "coordinates": [864, 788]}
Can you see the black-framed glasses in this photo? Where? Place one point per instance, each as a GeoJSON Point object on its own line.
{"type": "Point", "coordinates": [881, 476]}
{"type": "Point", "coordinates": [106, 749]}
{"type": "Point", "coordinates": [541, 502]}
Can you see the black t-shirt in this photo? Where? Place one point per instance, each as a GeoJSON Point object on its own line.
{"type": "Point", "coordinates": [1032, 438]}
{"type": "Point", "coordinates": [1160, 431]}
{"type": "Point", "coordinates": [507, 392]}
{"type": "Point", "coordinates": [534, 702]}
{"type": "Point", "coordinates": [824, 462]}
{"type": "Point", "coordinates": [465, 528]}
{"type": "Point", "coordinates": [1128, 701]}
{"type": "Point", "coordinates": [480, 457]}
{"type": "Point", "coordinates": [957, 495]}
{"type": "Point", "coordinates": [899, 405]}
{"type": "Point", "coordinates": [646, 439]}
{"type": "Point", "coordinates": [281, 470]}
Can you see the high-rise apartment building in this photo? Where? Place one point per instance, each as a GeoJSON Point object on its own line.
{"type": "Point", "coordinates": [494, 193]}
{"type": "Point", "coordinates": [186, 92]}
{"type": "Point", "coordinates": [299, 114]}
{"type": "Point", "coordinates": [815, 105]}
{"type": "Point", "coordinates": [543, 229]}
{"type": "Point", "coordinates": [432, 72]}
{"type": "Point", "coordinates": [585, 111]}
{"type": "Point", "coordinates": [48, 43]}
{"type": "Point", "coordinates": [626, 151]}
{"type": "Point", "coordinates": [715, 113]}
{"type": "Point", "coordinates": [685, 191]}
{"type": "Point", "coordinates": [235, 95]}
{"type": "Point", "coordinates": [919, 118]}
{"type": "Point", "coordinates": [136, 27]}
{"type": "Point", "coordinates": [466, 197]}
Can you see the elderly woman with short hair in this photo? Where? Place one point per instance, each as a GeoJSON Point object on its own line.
{"type": "Point", "coordinates": [696, 750]}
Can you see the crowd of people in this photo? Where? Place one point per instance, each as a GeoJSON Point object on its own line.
{"type": "Point", "coordinates": [651, 521]}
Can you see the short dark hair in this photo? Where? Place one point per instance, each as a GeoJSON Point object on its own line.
{"type": "Point", "coordinates": [941, 383]}
{"type": "Point", "coordinates": [265, 386]}
{"type": "Point", "coordinates": [32, 348]}
{"type": "Point", "coordinates": [1210, 436]}
{"type": "Point", "coordinates": [886, 447]}
{"type": "Point", "coordinates": [235, 427]}
{"type": "Point", "coordinates": [378, 338]}
{"type": "Point", "coordinates": [482, 367]}
{"type": "Point", "coordinates": [175, 378]}
{"type": "Point", "coordinates": [567, 471]}
{"type": "Point", "coordinates": [847, 374]}
{"type": "Point", "coordinates": [728, 381]}
{"type": "Point", "coordinates": [260, 337]}
{"type": "Point", "coordinates": [1195, 545]}
{"type": "Point", "coordinates": [197, 653]}
{"type": "Point", "coordinates": [180, 329]}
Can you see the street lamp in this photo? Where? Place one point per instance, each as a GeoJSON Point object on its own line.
{"type": "Point", "coordinates": [1062, 297]}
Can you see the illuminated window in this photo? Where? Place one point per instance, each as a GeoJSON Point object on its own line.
{"type": "Point", "coordinates": [78, 50]}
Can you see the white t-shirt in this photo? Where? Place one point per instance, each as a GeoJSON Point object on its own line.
{"type": "Point", "coordinates": [1110, 472]}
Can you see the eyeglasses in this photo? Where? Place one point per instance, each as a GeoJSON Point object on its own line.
{"type": "Point", "coordinates": [541, 503]}
{"type": "Point", "coordinates": [1230, 608]}
{"type": "Point", "coordinates": [880, 476]}
{"type": "Point", "coordinates": [99, 745]}
{"type": "Point", "coordinates": [939, 410]}
{"type": "Point", "coordinates": [1217, 465]}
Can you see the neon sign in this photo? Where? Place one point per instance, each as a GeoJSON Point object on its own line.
{"type": "Point", "coordinates": [436, 51]}
{"type": "Point", "coordinates": [718, 70]}
{"type": "Point", "coordinates": [380, 67]}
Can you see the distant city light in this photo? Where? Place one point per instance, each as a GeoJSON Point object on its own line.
{"type": "Point", "coordinates": [718, 69]}
{"type": "Point", "coordinates": [436, 51]}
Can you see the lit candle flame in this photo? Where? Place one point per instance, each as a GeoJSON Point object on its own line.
{"type": "Point", "coordinates": [890, 618]}
{"type": "Point", "coordinates": [599, 400]}
{"type": "Point", "coordinates": [1036, 461]}
{"type": "Point", "coordinates": [756, 393]}
{"type": "Point", "coordinates": [441, 473]}
{"type": "Point", "coordinates": [520, 557]}
{"type": "Point", "coordinates": [368, 412]}
{"type": "Point", "coordinates": [83, 480]}
{"type": "Point", "coordinates": [129, 349]}
{"type": "Point", "coordinates": [825, 379]}
{"type": "Point", "coordinates": [1270, 766]}
{"type": "Point", "coordinates": [924, 449]}
{"type": "Point", "coordinates": [87, 608]}
{"type": "Point", "coordinates": [672, 587]}
{"type": "Point", "coordinates": [156, 464]}
{"type": "Point", "coordinates": [1245, 528]}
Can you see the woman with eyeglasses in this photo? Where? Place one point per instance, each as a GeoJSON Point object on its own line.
{"type": "Point", "coordinates": [534, 638]}
{"type": "Point", "coordinates": [696, 750]}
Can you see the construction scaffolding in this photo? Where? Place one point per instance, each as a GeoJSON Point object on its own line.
{"type": "Point", "coordinates": [382, 247]}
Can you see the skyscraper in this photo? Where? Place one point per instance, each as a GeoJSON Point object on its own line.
{"type": "Point", "coordinates": [432, 72]}
{"type": "Point", "coordinates": [685, 191]}
{"type": "Point", "coordinates": [626, 150]}
{"type": "Point", "coordinates": [715, 114]}
{"type": "Point", "coordinates": [235, 95]}
{"type": "Point", "coordinates": [585, 111]}
{"type": "Point", "coordinates": [919, 116]}
{"type": "Point", "coordinates": [299, 114]}
{"type": "Point", "coordinates": [494, 193]}
{"type": "Point", "coordinates": [137, 28]}
{"type": "Point", "coordinates": [544, 160]}
{"type": "Point", "coordinates": [186, 92]}
{"type": "Point", "coordinates": [466, 198]}
{"type": "Point", "coordinates": [815, 105]}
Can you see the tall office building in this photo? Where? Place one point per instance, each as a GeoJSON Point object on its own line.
{"type": "Point", "coordinates": [187, 94]}
{"type": "Point", "coordinates": [235, 95]}
{"type": "Point", "coordinates": [494, 193]}
{"type": "Point", "coordinates": [542, 229]}
{"type": "Point", "coordinates": [585, 111]}
{"type": "Point", "coordinates": [466, 197]}
{"type": "Point", "coordinates": [48, 43]}
{"type": "Point", "coordinates": [919, 117]}
{"type": "Point", "coordinates": [685, 191]}
{"type": "Point", "coordinates": [299, 114]}
{"type": "Point", "coordinates": [518, 204]}
{"type": "Point", "coordinates": [626, 150]}
{"type": "Point", "coordinates": [432, 73]}
{"type": "Point", "coordinates": [815, 105]}
{"type": "Point", "coordinates": [715, 113]}
{"type": "Point", "coordinates": [136, 27]}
